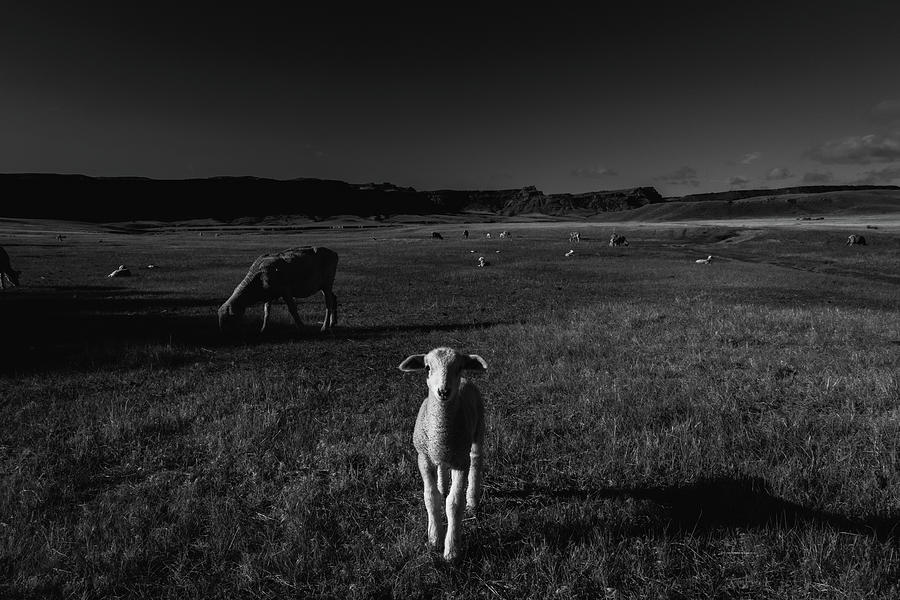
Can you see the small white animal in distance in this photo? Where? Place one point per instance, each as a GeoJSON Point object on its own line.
{"type": "Point", "coordinates": [122, 271]}
{"type": "Point", "coordinates": [704, 261]}
{"type": "Point", "coordinates": [570, 253]}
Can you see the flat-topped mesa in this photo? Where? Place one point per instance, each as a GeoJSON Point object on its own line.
{"type": "Point", "coordinates": [293, 273]}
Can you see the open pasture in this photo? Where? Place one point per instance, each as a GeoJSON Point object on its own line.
{"type": "Point", "coordinates": [657, 428]}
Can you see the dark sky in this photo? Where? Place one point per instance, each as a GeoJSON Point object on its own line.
{"type": "Point", "coordinates": [691, 97]}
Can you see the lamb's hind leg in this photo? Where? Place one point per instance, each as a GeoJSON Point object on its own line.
{"type": "Point", "coordinates": [432, 503]}
{"type": "Point", "coordinates": [476, 472]}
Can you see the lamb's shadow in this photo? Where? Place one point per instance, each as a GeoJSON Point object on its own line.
{"type": "Point", "coordinates": [699, 507]}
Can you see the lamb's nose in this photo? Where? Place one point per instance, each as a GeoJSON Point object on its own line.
{"type": "Point", "coordinates": [443, 393]}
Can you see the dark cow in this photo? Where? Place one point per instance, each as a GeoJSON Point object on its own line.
{"type": "Point", "coordinates": [855, 239]}
{"type": "Point", "coordinates": [617, 240]}
{"type": "Point", "coordinates": [6, 270]}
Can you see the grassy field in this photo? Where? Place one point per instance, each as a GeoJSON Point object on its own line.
{"type": "Point", "coordinates": [659, 428]}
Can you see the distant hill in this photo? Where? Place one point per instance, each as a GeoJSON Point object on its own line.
{"type": "Point", "coordinates": [853, 201]}
{"type": "Point", "coordinates": [114, 199]}
{"type": "Point", "coordinates": [111, 199]}
{"type": "Point", "coordinates": [731, 195]}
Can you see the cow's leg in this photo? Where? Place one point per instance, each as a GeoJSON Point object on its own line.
{"type": "Point", "coordinates": [265, 316]}
{"type": "Point", "coordinates": [292, 307]}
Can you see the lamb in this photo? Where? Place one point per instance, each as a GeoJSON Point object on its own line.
{"type": "Point", "coordinates": [449, 438]}
{"type": "Point", "coordinates": [505, 234]}
{"type": "Point", "coordinates": [6, 271]}
{"type": "Point", "coordinates": [704, 261]}
{"type": "Point", "coordinates": [293, 273]}
{"type": "Point", "coordinates": [482, 262]}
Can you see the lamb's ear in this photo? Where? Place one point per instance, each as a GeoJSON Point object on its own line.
{"type": "Point", "coordinates": [473, 362]}
{"type": "Point", "coordinates": [414, 362]}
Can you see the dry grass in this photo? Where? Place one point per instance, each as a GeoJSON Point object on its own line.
{"type": "Point", "coordinates": [659, 428]}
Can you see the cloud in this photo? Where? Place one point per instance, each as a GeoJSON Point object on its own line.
{"type": "Point", "coordinates": [778, 173]}
{"type": "Point", "coordinates": [683, 176]}
{"type": "Point", "coordinates": [594, 172]}
{"type": "Point", "coordinates": [738, 180]}
{"type": "Point", "coordinates": [880, 176]}
{"type": "Point", "coordinates": [886, 111]}
{"type": "Point", "coordinates": [818, 177]}
{"type": "Point", "coordinates": [749, 158]}
{"type": "Point", "coordinates": [858, 150]}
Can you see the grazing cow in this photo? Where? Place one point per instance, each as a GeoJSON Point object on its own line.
{"type": "Point", "coordinates": [482, 262]}
{"type": "Point", "coordinates": [574, 237]}
{"type": "Point", "coordinates": [466, 234]}
{"type": "Point", "coordinates": [292, 273]}
{"type": "Point", "coordinates": [6, 270]}
{"type": "Point", "coordinates": [855, 239]}
{"type": "Point", "coordinates": [617, 240]}
{"type": "Point", "coordinates": [437, 236]}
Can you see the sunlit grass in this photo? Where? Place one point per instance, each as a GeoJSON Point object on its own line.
{"type": "Point", "coordinates": [657, 429]}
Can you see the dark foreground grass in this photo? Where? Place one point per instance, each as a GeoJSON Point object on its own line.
{"type": "Point", "coordinates": [658, 428]}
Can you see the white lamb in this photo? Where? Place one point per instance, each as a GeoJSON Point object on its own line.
{"type": "Point", "coordinates": [704, 261]}
{"type": "Point", "coordinates": [449, 437]}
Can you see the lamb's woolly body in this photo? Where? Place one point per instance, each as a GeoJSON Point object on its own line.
{"type": "Point", "coordinates": [445, 433]}
{"type": "Point", "coordinates": [449, 439]}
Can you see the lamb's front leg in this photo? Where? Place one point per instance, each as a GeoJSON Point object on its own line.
{"type": "Point", "coordinates": [456, 504]}
{"type": "Point", "coordinates": [432, 503]}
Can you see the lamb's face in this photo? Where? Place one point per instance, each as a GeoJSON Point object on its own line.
{"type": "Point", "coordinates": [443, 368]}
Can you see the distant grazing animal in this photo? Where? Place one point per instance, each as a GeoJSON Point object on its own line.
{"type": "Point", "coordinates": [856, 240]}
{"type": "Point", "coordinates": [482, 262]}
{"type": "Point", "coordinates": [570, 253]}
{"type": "Point", "coordinates": [487, 235]}
{"type": "Point", "coordinates": [436, 235]}
{"type": "Point", "coordinates": [60, 237]}
{"type": "Point", "coordinates": [505, 234]}
{"type": "Point", "coordinates": [466, 234]}
{"type": "Point", "coordinates": [617, 240]}
{"type": "Point", "coordinates": [704, 261]}
{"type": "Point", "coordinates": [449, 439]}
{"type": "Point", "coordinates": [292, 273]}
{"type": "Point", "coordinates": [121, 271]}
{"type": "Point", "coordinates": [574, 237]}
{"type": "Point", "coordinates": [6, 271]}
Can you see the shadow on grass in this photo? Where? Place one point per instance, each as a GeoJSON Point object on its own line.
{"type": "Point", "coordinates": [65, 326]}
{"type": "Point", "coordinates": [711, 504]}
{"type": "Point", "coordinates": [88, 327]}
